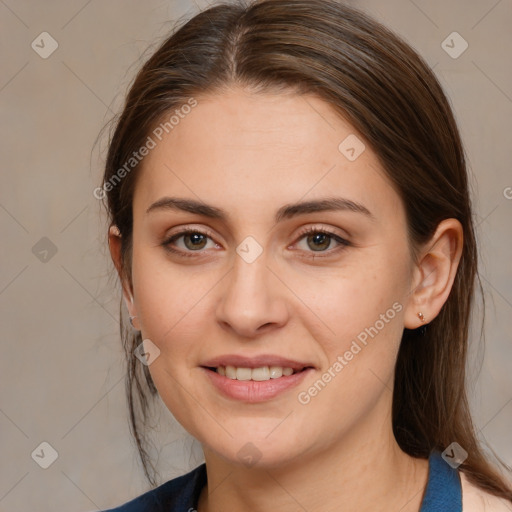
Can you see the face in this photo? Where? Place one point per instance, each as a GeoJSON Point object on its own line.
{"type": "Point", "coordinates": [265, 282]}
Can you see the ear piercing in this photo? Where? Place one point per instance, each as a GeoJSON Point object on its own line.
{"type": "Point", "coordinates": [420, 316]}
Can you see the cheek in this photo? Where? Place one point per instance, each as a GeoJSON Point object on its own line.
{"type": "Point", "coordinates": [360, 333]}
{"type": "Point", "coordinates": [359, 298]}
{"type": "Point", "coordinates": [169, 300]}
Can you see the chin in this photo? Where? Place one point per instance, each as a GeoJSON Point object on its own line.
{"type": "Point", "coordinates": [257, 451]}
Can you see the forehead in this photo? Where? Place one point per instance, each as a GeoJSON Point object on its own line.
{"type": "Point", "coordinates": [260, 151]}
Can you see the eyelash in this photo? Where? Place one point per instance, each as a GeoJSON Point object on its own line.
{"type": "Point", "coordinates": [311, 230]}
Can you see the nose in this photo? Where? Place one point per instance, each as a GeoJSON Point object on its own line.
{"type": "Point", "coordinates": [253, 299]}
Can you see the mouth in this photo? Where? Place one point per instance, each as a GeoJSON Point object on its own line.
{"type": "Point", "coordinates": [257, 379]}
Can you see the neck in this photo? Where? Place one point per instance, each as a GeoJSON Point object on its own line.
{"type": "Point", "coordinates": [366, 467]}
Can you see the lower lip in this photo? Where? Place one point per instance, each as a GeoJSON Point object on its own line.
{"type": "Point", "coordinates": [253, 391]}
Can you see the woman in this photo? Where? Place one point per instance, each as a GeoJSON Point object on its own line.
{"type": "Point", "coordinates": [291, 223]}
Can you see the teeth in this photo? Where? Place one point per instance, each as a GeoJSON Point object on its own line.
{"type": "Point", "coordinates": [243, 374]}
{"type": "Point", "coordinates": [231, 372]}
{"type": "Point", "coordinates": [276, 372]}
{"type": "Point", "coordinates": [258, 374]}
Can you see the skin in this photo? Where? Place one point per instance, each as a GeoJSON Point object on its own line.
{"type": "Point", "coordinates": [250, 155]}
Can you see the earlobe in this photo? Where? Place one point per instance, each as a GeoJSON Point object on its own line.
{"type": "Point", "coordinates": [114, 242]}
{"type": "Point", "coordinates": [434, 274]}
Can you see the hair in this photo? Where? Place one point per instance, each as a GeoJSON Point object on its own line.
{"type": "Point", "coordinates": [378, 83]}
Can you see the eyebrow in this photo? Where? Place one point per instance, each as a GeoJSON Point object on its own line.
{"type": "Point", "coordinates": [287, 211]}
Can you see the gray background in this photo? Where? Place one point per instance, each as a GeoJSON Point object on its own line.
{"type": "Point", "coordinates": [61, 368]}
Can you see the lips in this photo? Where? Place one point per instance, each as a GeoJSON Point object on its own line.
{"type": "Point", "coordinates": [255, 379]}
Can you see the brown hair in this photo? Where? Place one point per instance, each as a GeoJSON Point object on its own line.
{"type": "Point", "coordinates": [388, 93]}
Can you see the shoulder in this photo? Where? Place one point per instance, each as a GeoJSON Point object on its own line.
{"type": "Point", "coordinates": [475, 499]}
{"type": "Point", "coordinates": [176, 495]}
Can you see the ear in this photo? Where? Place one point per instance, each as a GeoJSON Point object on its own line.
{"type": "Point", "coordinates": [434, 273]}
{"type": "Point", "coordinates": [114, 243]}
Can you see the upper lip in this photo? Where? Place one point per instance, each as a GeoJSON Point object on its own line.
{"type": "Point", "coordinates": [255, 362]}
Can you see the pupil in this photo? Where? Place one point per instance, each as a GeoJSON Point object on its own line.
{"type": "Point", "coordinates": [319, 237]}
{"type": "Point", "coordinates": [196, 239]}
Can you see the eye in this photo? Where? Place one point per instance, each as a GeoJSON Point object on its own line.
{"type": "Point", "coordinates": [320, 239]}
{"type": "Point", "coordinates": [194, 240]}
